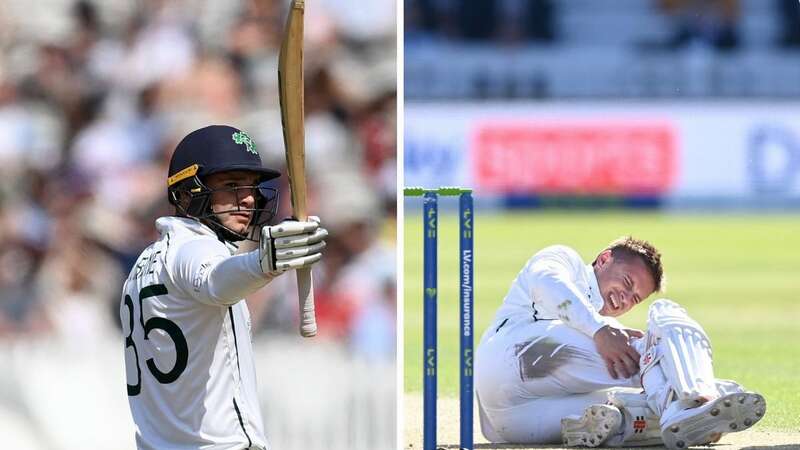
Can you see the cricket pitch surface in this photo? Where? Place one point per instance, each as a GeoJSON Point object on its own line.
{"type": "Point", "coordinates": [447, 433]}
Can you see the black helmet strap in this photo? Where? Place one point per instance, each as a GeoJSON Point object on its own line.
{"type": "Point", "coordinates": [199, 208]}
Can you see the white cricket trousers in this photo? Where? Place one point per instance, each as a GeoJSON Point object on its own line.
{"type": "Point", "coordinates": [530, 374]}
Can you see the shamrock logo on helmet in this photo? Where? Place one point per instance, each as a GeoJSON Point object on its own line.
{"type": "Point", "coordinates": [240, 137]}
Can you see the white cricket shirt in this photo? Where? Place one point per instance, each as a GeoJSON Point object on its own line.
{"type": "Point", "coordinates": [188, 352]}
{"type": "Point", "coordinates": [555, 284]}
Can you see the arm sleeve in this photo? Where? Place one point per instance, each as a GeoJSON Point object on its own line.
{"type": "Point", "coordinates": [204, 270]}
{"type": "Point", "coordinates": [553, 289]}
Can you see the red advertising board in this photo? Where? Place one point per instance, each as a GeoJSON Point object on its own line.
{"type": "Point", "coordinates": [613, 158]}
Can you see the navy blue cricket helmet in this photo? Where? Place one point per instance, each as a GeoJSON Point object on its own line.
{"type": "Point", "coordinates": [214, 149]}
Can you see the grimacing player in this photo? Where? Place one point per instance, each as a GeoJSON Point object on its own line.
{"type": "Point", "coordinates": [188, 355]}
{"type": "Point", "coordinates": [556, 365]}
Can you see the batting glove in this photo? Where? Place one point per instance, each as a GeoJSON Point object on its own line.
{"type": "Point", "coordinates": [291, 244]}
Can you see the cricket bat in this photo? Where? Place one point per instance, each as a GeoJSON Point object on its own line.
{"type": "Point", "coordinates": [290, 81]}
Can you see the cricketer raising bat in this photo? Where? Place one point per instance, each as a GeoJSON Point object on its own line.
{"type": "Point", "coordinates": [290, 81]}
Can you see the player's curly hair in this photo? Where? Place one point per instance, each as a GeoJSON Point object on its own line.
{"type": "Point", "coordinates": [628, 246]}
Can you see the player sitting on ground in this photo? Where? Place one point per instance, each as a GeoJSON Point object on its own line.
{"type": "Point", "coordinates": [555, 365]}
{"type": "Point", "coordinates": [188, 354]}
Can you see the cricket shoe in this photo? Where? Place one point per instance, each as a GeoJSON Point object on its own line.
{"type": "Point", "coordinates": [707, 423]}
{"type": "Point", "coordinates": [593, 428]}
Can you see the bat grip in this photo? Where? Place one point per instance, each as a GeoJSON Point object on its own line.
{"type": "Point", "coordinates": [305, 293]}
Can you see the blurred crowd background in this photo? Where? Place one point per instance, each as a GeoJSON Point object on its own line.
{"type": "Point", "coordinates": [718, 23]}
{"type": "Point", "coordinates": [606, 48]}
{"type": "Point", "coordinates": [94, 96]}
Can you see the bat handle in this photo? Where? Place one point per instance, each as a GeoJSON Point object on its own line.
{"type": "Point", "coordinates": [305, 292]}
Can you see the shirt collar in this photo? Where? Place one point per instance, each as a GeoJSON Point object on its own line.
{"type": "Point", "coordinates": [595, 297]}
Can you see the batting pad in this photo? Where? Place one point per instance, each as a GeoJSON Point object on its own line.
{"type": "Point", "coordinates": [683, 353]}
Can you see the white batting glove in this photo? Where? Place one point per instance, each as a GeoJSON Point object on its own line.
{"type": "Point", "coordinates": [291, 244]}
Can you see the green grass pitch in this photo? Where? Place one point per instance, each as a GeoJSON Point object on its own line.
{"type": "Point", "coordinates": [738, 275]}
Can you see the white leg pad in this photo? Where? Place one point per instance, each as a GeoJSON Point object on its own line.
{"type": "Point", "coordinates": [725, 387]}
{"type": "Point", "coordinates": [682, 350]}
{"type": "Point", "coordinates": [658, 391]}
